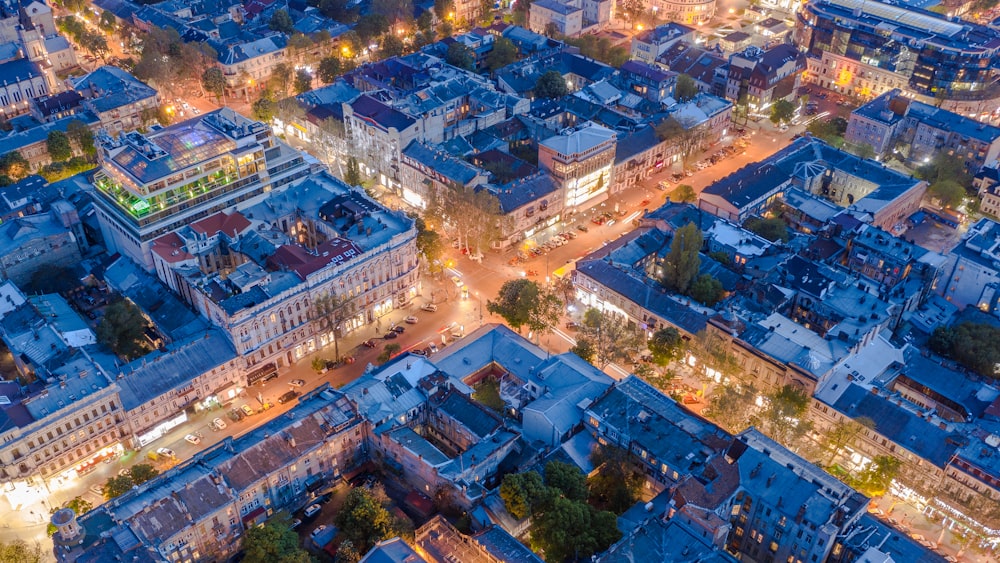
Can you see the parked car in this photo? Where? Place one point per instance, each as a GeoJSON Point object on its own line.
{"type": "Point", "coordinates": [193, 439]}
{"type": "Point", "coordinates": [297, 382]}
{"type": "Point", "coordinates": [165, 452]}
{"type": "Point", "coordinates": [219, 423]}
{"type": "Point", "coordinates": [573, 325]}
{"type": "Point", "coordinates": [429, 307]}
{"type": "Point", "coordinates": [419, 352]}
{"type": "Point", "coordinates": [97, 490]}
{"type": "Point", "coordinates": [318, 531]}
{"type": "Point", "coordinates": [411, 320]}
{"type": "Point", "coordinates": [433, 348]}
{"type": "Point", "coordinates": [235, 415]}
{"type": "Point", "coordinates": [312, 510]}
{"type": "Point", "coordinates": [370, 343]}
{"type": "Point", "coordinates": [583, 228]}
{"type": "Point", "coordinates": [288, 396]}
{"type": "Point", "coordinates": [295, 523]}
{"type": "Point", "coordinates": [457, 281]}
{"type": "Point", "coordinates": [398, 329]}
{"type": "Point", "coordinates": [389, 335]}
{"type": "Point", "coordinates": [246, 410]}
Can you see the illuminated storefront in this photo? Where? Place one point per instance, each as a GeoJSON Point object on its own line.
{"type": "Point", "coordinates": [161, 429]}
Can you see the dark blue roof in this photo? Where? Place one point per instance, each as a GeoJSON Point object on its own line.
{"type": "Point", "coordinates": [522, 192]}
{"type": "Point", "coordinates": [381, 114]}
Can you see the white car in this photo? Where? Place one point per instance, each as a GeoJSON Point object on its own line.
{"type": "Point", "coordinates": [429, 307]}
{"type": "Point", "coordinates": [165, 452]}
{"type": "Point", "coordinates": [297, 382]}
{"type": "Point", "coordinates": [219, 423]}
{"type": "Point", "coordinates": [457, 281]}
{"type": "Point", "coordinates": [318, 531]}
{"type": "Point", "coordinates": [411, 320]}
{"type": "Point", "coordinates": [312, 510]}
{"type": "Point", "coordinates": [193, 439]}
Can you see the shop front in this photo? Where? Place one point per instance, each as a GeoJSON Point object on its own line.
{"type": "Point", "coordinates": [161, 429]}
{"type": "Point", "coordinates": [104, 455]}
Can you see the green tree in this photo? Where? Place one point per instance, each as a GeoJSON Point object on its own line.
{"type": "Point", "coordinates": [706, 290]}
{"type": "Point", "coordinates": [329, 69]}
{"type": "Point", "coordinates": [282, 22]}
{"type": "Point", "coordinates": [263, 109]}
{"type": "Point", "coordinates": [213, 81]}
{"type": "Point", "coordinates": [516, 302]}
{"type": "Point", "coordinates": [274, 542]}
{"type": "Point", "coordinates": [79, 133]}
{"type": "Point", "coordinates": [388, 352]}
{"type": "Point", "coordinates": [782, 417]}
{"type": "Point", "coordinates": [948, 192]}
{"type": "Point", "coordinates": [108, 23]}
{"type": "Point", "coordinates": [461, 56]}
{"type": "Point", "coordinates": [974, 345]}
{"type": "Point", "coordinates": [303, 81]}
{"type": "Point", "coordinates": [332, 310]}
{"type": "Point", "coordinates": [612, 338]}
{"type": "Point", "coordinates": [392, 46]}
{"type": "Point", "coordinates": [573, 530]}
{"type": "Point", "coordinates": [681, 264]}
{"type": "Point", "coordinates": [685, 89]}
{"type": "Point", "coordinates": [58, 146]}
{"type": "Point", "coordinates": [944, 167]}
{"type": "Point", "coordinates": [523, 494]}
{"type": "Point", "coordinates": [20, 551]}
{"type": "Point", "coordinates": [773, 229]}
{"type": "Point", "coordinates": [782, 111]}
{"type": "Point", "coordinates": [117, 486]}
{"type": "Point", "coordinates": [429, 245]}
{"type": "Point", "coordinates": [347, 553]}
{"type": "Point", "coordinates": [352, 175]}
{"type": "Point", "coordinates": [843, 433]}
{"type": "Point", "coordinates": [142, 472]}
{"type": "Point", "coordinates": [364, 521]}
{"type": "Point", "coordinates": [875, 478]}
{"type": "Point", "coordinates": [863, 150]}
{"type": "Point", "coordinates": [584, 348]}
{"type": "Point", "coordinates": [444, 9]}
{"type": "Point", "coordinates": [831, 130]}
{"type": "Point", "coordinates": [371, 26]}
{"type": "Point", "coordinates": [503, 53]}
{"type": "Point", "coordinates": [568, 479]}
{"type": "Point", "coordinates": [616, 484]}
{"type": "Point", "coordinates": [684, 194]}
{"type": "Point", "coordinates": [665, 345]}
{"type": "Point", "coordinates": [551, 84]}
{"type": "Point", "coordinates": [122, 329]}
{"type": "Point", "coordinates": [13, 168]}
{"type": "Point", "coordinates": [731, 406]}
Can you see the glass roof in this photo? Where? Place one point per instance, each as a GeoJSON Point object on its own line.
{"type": "Point", "coordinates": [185, 145]}
{"type": "Point", "coordinates": [902, 16]}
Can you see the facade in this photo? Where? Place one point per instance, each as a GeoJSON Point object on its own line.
{"type": "Point", "coordinates": [531, 205]}
{"type": "Point", "coordinates": [648, 45]}
{"type": "Point", "coordinates": [23, 80]}
{"type": "Point", "coordinates": [637, 155]}
{"type": "Point", "coordinates": [565, 18]}
{"type": "Point", "coordinates": [425, 170]}
{"type": "Point", "coordinates": [581, 159]}
{"type": "Point", "coordinates": [379, 133]}
{"type": "Point", "coordinates": [248, 65]}
{"type": "Point", "coordinates": [30, 243]}
{"type": "Point", "coordinates": [149, 185]}
{"type": "Point", "coordinates": [926, 54]}
{"type": "Point", "coordinates": [694, 12]}
{"type": "Point", "coordinates": [117, 98]}
{"type": "Point", "coordinates": [762, 77]}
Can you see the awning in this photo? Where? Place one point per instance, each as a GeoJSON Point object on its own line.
{"type": "Point", "coordinates": [253, 514]}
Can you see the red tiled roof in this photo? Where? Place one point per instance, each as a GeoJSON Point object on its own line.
{"type": "Point", "coordinates": [303, 263]}
{"type": "Point", "coordinates": [230, 224]}
{"type": "Point", "coordinates": [254, 7]}
{"type": "Point", "coordinates": [171, 248]}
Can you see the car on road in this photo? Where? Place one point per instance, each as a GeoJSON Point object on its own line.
{"type": "Point", "coordinates": [193, 439]}
{"type": "Point", "coordinates": [390, 334]}
{"type": "Point", "coordinates": [433, 348]}
{"type": "Point", "coordinates": [573, 325]}
{"type": "Point", "coordinates": [246, 410]}
{"type": "Point", "coordinates": [419, 352]}
{"type": "Point", "coordinates": [295, 523]}
{"type": "Point", "coordinates": [196, 111]}
{"type": "Point", "coordinates": [97, 490]}
{"type": "Point", "coordinates": [398, 329]}
{"type": "Point", "coordinates": [370, 343]}
{"type": "Point", "coordinates": [457, 281]}
{"type": "Point", "coordinates": [297, 382]}
{"type": "Point", "coordinates": [165, 452]}
{"type": "Point", "coordinates": [318, 531]}
{"type": "Point", "coordinates": [235, 415]}
{"type": "Point", "coordinates": [411, 320]}
{"type": "Point", "coordinates": [429, 307]}
{"type": "Point", "coordinates": [312, 510]}
{"type": "Point", "coordinates": [583, 228]}
{"type": "Point", "coordinates": [219, 423]}
{"type": "Point", "coordinates": [289, 396]}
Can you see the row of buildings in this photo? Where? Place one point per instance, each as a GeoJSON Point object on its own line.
{"type": "Point", "coordinates": [723, 497]}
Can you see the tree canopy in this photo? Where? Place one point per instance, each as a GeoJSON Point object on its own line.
{"type": "Point", "coordinates": [20, 551]}
{"type": "Point", "coordinates": [830, 130]}
{"type": "Point", "coordinates": [610, 336]}
{"type": "Point", "coordinates": [303, 81]}
{"type": "Point", "coordinates": [281, 21]}
{"type": "Point", "coordinates": [122, 329]}
{"type": "Point", "coordinates": [706, 290]}
{"type": "Point", "coordinates": [782, 111]}
{"type": "Point", "coordinates": [685, 89]}
{"type": "Point", "coordinates": [773, 229]}
{"type": "Point", "coordinates": [57, 143]}
{"type": "Point", "coordinates": [682, 262]}
{"type": "Point", "coordinates": [213, 81]}
{"type": "Point", "coordinates": [665, 345]}
{"type": "Point", "coordinates": [974, 345]}
{"type": "Point", "coordinates": [684, 193]}
{"type": "Point", "coordinates": [522, 302]}
{"type": "Point", "coordinates": [274, 542]}
{"type": "Point", "coordinates": [460, 55]}
{"type": "Point", "coordinates": [782, 417]}
{"type": "Point", "coordinates": [551, 84]}
{"type": "Point", "coordinates": [364, 521]}
{"type": "Point", "coordinates": [329, 69]}
{"type": "Point", "coordinates": [79, 133]}
{"type": "Point", "coordinates": [948, 192]}
{"type": "Point", "coordinates": [875, 478]}
{"type": "Point", "coordinates": [503, 53]}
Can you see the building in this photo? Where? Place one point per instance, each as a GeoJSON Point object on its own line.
{"type": "Point", "coordinates": [23, 81]}
{"type": "Point", "coordinates": [532, 205]}
{"type": "Point", "coordinates": [648, 81]}
{"type": "Point", "coordinates": [762, 77]}
{"type": "Point", "coordinates": [247, 65]}
{"type": "Point", "coordinates": [637, 155]}
{"type": "Point", "coordinates": [30, 243]}
{"type": "Point", "coordinates": [698, 12]}
{"type": "Point", "coordinates": [424, 171]}
{"type": "Point", "coordinates": [379, 133]}
{"type": "Point", "coordinates": [647, 46]}
{"type": "Point", "coordinates": [149, 185]}
{"type": "Point", "coordinates": [878, 122]}
{"type": "Point", "coordinates": [31, 142]}
{"type": "Point", "coordinates": [440, 542]}
{"type": "Point", "coordinates": [582, 160]}
{"type": "Point", "coordinates": [565, 18]}
{"type": "Point", "coordinates": [120, 101]}
{"type": "Point", "coordinates": [928, 55]}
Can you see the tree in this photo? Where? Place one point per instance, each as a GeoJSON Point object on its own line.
{"type": "Point", "coordinates": [567, 478]}
{"type": "Point", "coordinates": [303, 81]}
{"type": "Point", "coordinates": [545, 313]}
{"type": "Point", "coordinates": [599, 48]}
{"type": "Point", "coordinates": [332, 310]}
{"type": "Point", "coordinates": [948, 192]}
{"type": "Point", "coordinates": [364, 521]}
{"type": "Point", "coordinates": [394, 10]}
{"type": "Point", "coordinates": [347, 553]}
{"type": "Point", "coordinates": [274, 542]}
{"type": "Point", "coordinates": [863, 150]}
{"type": "Point", "coordinates": [78, 505]}
{"type": "Point", "coordinates": [444, 9]}
{"type": "Point", "coordinates": [278, 82]}
{"type": "Point", "coordinates": [371, 26]}
{"type": "Point", "coordinates": [831, 130]}
{"type": "Point", "coordinates": [684, 194]}
{"type": "Point", "coordinates": [685, 89]}
{"type": "Point", "coordinates": [122, 329]}
{"type": "Point", "coordinates": [79, 133]}
{"type": "Point", "coordinates": [388, 352]}
{"type": "Point", "coordinates": [731, 406]}
{"type": "Point", "coordinates": [782, 111]}
{"type": "Point", "coordinates": [263, 109]}
{"type": "Point", "coordinates": [338, 10]}
{"type": "Point", "coordinates": [20, 551]}
{"type": "Point", "coordinates": [665, 345]}
{"type": "Point", "coordinates": [461, 56]}
{"type": "Point", "coordinates": [516, 302]}
{"type": "Point", "coordinates": [353, 174]}
{"type": "Point", "coordinates": [551, 85]}
{"type": "Point", "coordinates": [974, 345]}
{"type": "Point", "coordinates": [522, 493]}
{"type": "Point", "coordinates": [610, 335]}
{"type": "Point", "coordinates": [142, 472]}
{"type": "Point", "coordinates": [573, 530]}
{"type": "Point", "coordinates": [213, 81]}
{"type": "Point", "coordinates": [773, 229]}
{"type": "Point", "coordinates": [782, 416]}
{"type": "Point", "coordinates": [503, 53]}
{"type": "Point", "coordinates": [585, 349]}
{"type": "Point", "coordinates": [681, 264]}
{"type": "Point", "coordinates": [616, 484]}
{"type": "Point", "coordinates": [13, 168]}
{"type": "Point", "coordinates": [686, 141]}
{"type": "Point", "coordinates": [58, 146]}
{"type": "Point", "coordinates": [429, 244]}
{"type": "Point", "coordinates": [107, 23]}
{"type": "Point", "coordinates": [392, 46]}
{"type": "Point", "coordinates": [329, 69]}
{"type": "Point", "coordinates": [843, 434]}
{"type": "Point", "coordinates": [707, 290]}
{"type": "Point", "coordinates": [875, 478]}
{"type": "Point", "coordinates": [282, 22]}
{"type": "Point", "coordinates": [117, 486]}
